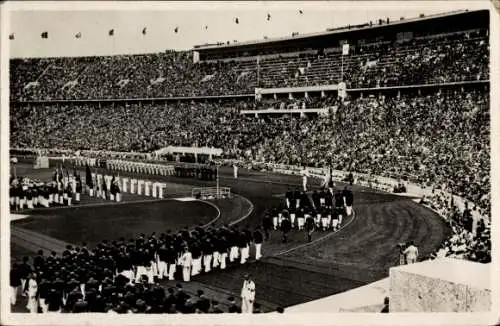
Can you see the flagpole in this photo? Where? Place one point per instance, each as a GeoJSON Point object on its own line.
{"type": "Point", "coordinates": [258, 71]}
{"type": "Point", "coordinates": [342, 67]}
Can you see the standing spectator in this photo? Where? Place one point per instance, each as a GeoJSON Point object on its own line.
{"type": "Point", "coordinates": [411, 253]}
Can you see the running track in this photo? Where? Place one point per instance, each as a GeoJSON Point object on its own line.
{"type": "Point", "coordinates": [360, 253]}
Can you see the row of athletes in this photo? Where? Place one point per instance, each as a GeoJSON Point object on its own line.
{"type": "Point", "coordinates": [138, 167]}
{"type": "Point", "coordinates": [189, 253]}
{"type": "Point", "coordinates": [326, 197]}
{"type": "Point", "coordinates": [30, 195]}
{"type": "Point", "coordinates": [203, 172]}
{"type": "Point", "coordinates": [304, 218]}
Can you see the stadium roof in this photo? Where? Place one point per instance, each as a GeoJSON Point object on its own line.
{"type": "Point", "coordinates": [328, 32]}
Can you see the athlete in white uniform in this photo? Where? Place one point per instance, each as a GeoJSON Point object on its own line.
{"type": "Point", "coordinates": [247, 295]}
{"type": "Point", "coordinates": [186, 262]}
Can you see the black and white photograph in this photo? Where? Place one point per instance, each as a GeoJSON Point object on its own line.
{"type": "Point", "coordinates": [278, 159]}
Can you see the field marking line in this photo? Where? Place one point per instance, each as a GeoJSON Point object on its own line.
{"type": "Point", "coordinates": [214, 206]}
{"type": "Point", "coordinates": [318, 239]}
{"type": "Point", "coordinates": [244, 217]}
{"type": "Point", "coordinates": [109, 203]}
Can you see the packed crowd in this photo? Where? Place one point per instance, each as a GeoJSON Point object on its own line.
{"type": "Point", "coordinates": [316, 102]}
{"type": "Point", "coordinates": [460, 57]}
{"type": "Point", "coordinates": [170, 74]}
{"type": "Point", "coordinates": [434, 139]}
{"type": "Point", "coordinates": [466, 241]}
{"type": "Point", "coordinates": [135, 127]}
{"type": "Point", "coordinates": [124, 276]}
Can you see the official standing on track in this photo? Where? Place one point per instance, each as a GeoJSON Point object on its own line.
{"type": "Point", "coordinates": [247, 295]}
{"type": "Point", "coordinates": [305, 174]}
{"type": "Point", "coordinates": [411, 253]}
{"type": "Point", "coordinates": [235, 170]}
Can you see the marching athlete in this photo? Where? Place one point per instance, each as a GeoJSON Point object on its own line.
{"type": "Point", "coordinates": [339, 205]}
{"type": "Point", "coordinates": [258, 240]}
{"type": "Point", "coordinates": [309, 228]}
{"type": "Point", "coordinates": [286, 226]}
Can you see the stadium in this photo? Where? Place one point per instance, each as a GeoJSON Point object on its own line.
{"type": "Point", "coordinates": [340, 171]}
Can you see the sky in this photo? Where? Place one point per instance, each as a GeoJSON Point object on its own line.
{"type": "Point", "coordinates": [62, 21]}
